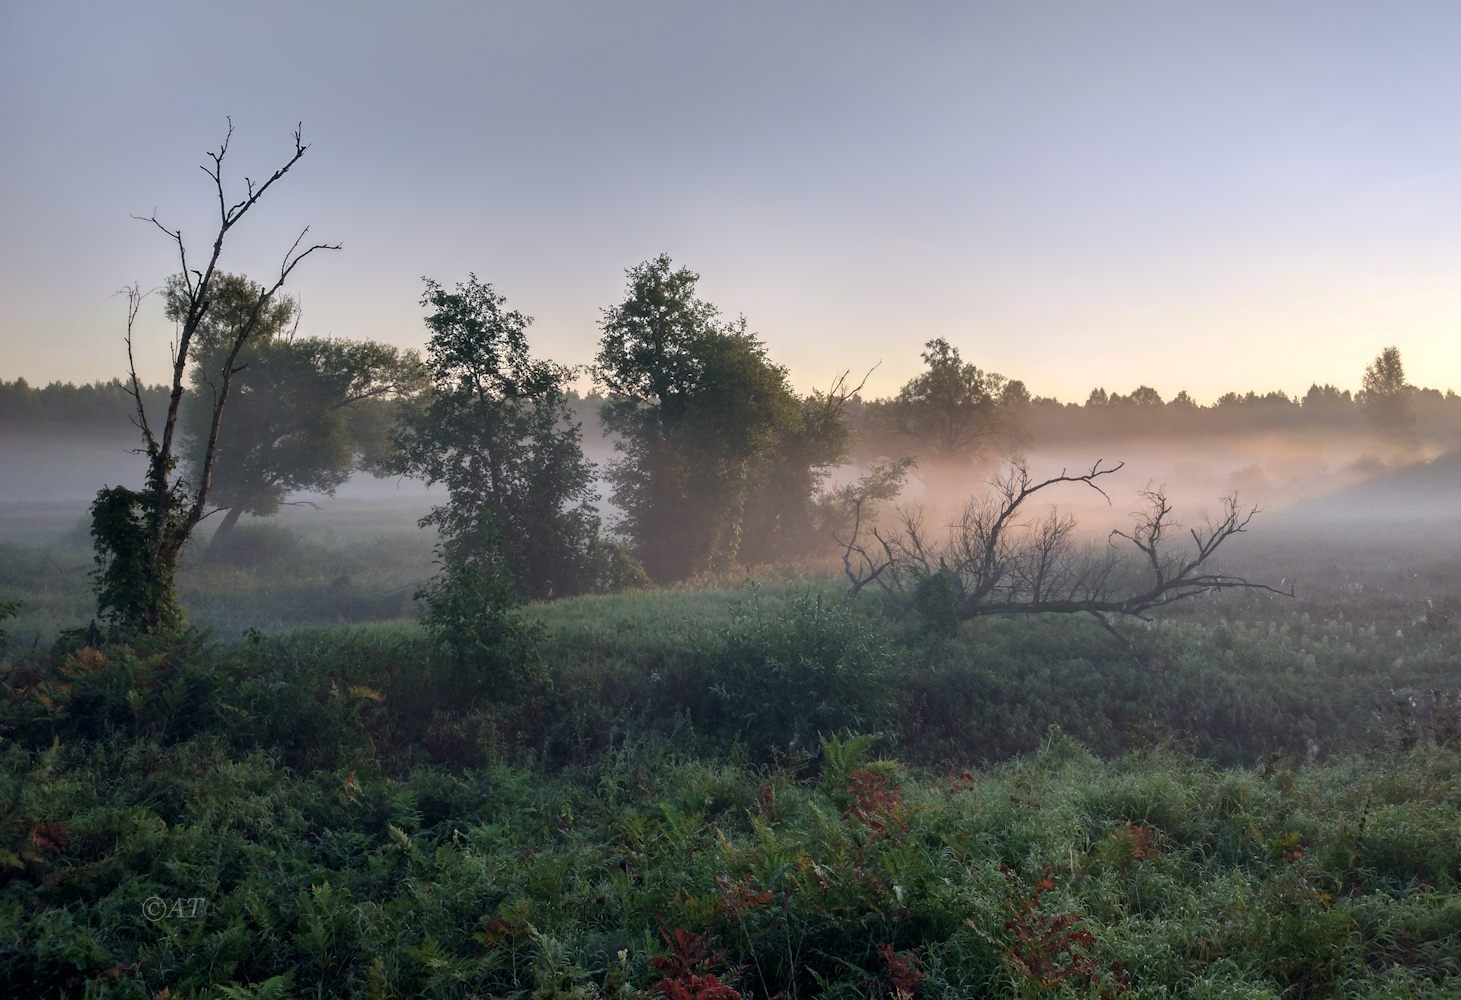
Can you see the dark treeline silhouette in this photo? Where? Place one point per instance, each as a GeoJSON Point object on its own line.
{"type": "Point", "coordinates": [102, 410]}
{"type": "Point", "coordinates": [1144, 415]}
{"type": "Point", "coordinates": [96, 411]}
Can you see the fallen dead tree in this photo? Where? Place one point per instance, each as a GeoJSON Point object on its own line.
{"type": "Point", "coordinates": [993, 560]}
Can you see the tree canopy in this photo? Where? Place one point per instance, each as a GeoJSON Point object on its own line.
{"type": "Point", "coordinates": [710, 434]}
{"type": "Point", "coordinates": [292, 430]}
{"type": "Point", "coordinates": [1386, 398]}
{"type": "Point", "coordinates": [494, 427]}
{"type": "Point", "coordinates": [951, 411]}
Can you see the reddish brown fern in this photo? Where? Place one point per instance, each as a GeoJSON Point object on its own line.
{"type": "Point", "coordinates": [1051, 949]}
{"type": "Point", "coordinates": [687, 969]}
{"type": "Point", "coordinates": [876, 803]}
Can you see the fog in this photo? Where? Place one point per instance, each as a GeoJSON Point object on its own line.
{"type": "Point", "coordinates": [1303, 483]}
{"type": "Point", "coordinates": [1312, 484]}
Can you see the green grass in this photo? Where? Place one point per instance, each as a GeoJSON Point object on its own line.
{"type": "Point", "coordinates": [1234, 806]}
{"type": "Point", "coordinates": [506, 882]}
{"type": "Point", "coordinates": [270, 577]}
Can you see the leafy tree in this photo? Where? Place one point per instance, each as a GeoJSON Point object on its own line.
{"type": "Point", "coordinates": [951, 410]}
{"type": "Point", "coordinates": [1014, 393]}
{"type": "Point", "coordinates": [790, 512]}
{"type": "Point", "coordinates": [1387, 401]}
{"type": "Point", "coordinates": [495, 428]}
{"type": "Point", "coordinates": [702, 415]}
{"type": "Point", "coordinates": [139, 534]}
{"type": "Point", "coordinates": [295, 431]}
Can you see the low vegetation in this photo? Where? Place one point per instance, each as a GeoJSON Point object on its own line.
{"type": "Point", "coordinates": [661, 793]}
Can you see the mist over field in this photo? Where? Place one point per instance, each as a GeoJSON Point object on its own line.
{"type": "Point", "coordinates": [1321, 485]}
{"type": "Point", "coordinates": [662, 501]}
{"type": "Point", "coordinates": [949, 680]}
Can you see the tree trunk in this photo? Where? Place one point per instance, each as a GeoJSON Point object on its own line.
{"type": "Point", "coordinates": [225, 529]}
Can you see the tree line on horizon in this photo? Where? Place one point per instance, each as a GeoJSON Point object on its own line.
{"type": "Point", "coordinates": [100, 410]}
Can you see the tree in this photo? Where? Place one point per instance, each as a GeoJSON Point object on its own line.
{"type": "Point", "coordinates": [1386, 399]}
{"type": "Point", "coordinates": [951, 411]}
{"type": "Point", "coordinates": [293, 431]}
{"type": "Point", "coordinates": [139, 534]}
{"type": "Point", "coordinates": [994, 562]}
{"type": "Point", "coordinates": [788, 512]}
{"type": "Point", "coordinates": [701, 414]}
{"type": "Point", "coordinates": [1014, 394]}
{"type": "Point", "coordinates": [862, 561]}
{"type": "Point", "coordinates": [496, 429]}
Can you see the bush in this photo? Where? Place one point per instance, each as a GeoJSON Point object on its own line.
{"type": "Point", "coordinates": [611, 568]}
{"type": "Point", "coordinates": [8, 610]}
{"type": "Point", "coordinates": [258, 546]}
{"type": "Point", "coordinates": [159, 688]}
{"type": "Point", "coordinates": [777, 681]}
{"type": "Point", "coordinates": [472, 619]}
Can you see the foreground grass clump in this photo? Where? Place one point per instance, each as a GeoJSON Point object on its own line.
{"type": "Point", "coordinates": [650, 871]}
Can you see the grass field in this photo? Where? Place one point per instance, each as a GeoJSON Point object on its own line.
{"type": "Point", "coordinates": [739, 788]}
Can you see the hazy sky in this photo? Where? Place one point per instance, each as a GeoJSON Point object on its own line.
{"type": "Point", "coordinates": [1203, 196]}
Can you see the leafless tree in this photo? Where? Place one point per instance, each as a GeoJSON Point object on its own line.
{"type": "Point", "coordinates": [992, 561]}
{"type": "Point", "coordinates": [140, 534]}
{"type": "Point", "coordinates": [866, 553]}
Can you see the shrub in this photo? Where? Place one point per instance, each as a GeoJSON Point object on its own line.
{"type": "Point", "coordinates": [8, 610]}
{"type": "Point", "coordinates": [777, 681]}
{"type": "Point", "coordinates": [471, 617]}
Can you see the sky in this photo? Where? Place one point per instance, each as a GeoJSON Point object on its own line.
{"type": "Point", "coordinates": [1210, 197]}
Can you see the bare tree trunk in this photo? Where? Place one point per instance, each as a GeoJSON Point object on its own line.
{"type": "Point", "coordinates": [139, 534]}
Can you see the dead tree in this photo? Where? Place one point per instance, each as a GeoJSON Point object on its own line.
{"type": "Point", "coordinates": [866, 554]}
{"type": "Point", "coordinates": [993, 562]}
{"type": "Point", "coordinates": [139, 534]}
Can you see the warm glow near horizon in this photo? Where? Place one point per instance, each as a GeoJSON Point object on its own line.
{"type": "Point", "coordinates": [1239, 197]}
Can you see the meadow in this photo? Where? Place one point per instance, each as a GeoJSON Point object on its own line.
{"type": "Point", "coordinates": [736, 787]}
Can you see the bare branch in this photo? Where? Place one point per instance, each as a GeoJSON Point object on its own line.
{"type": "Point", "coordinates": [996, 564]}
{"type": "Point", "coordinates": [134, 384]}
{"type": "Point", "coordinates": [840, 390]}
{"type": "Point", "coordinates": [293, 257]}
{"type": "Point", "coordinates": [864, 564]}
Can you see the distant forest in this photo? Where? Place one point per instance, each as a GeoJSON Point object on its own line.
{"type": "Point", "coordinates": [101, 411]}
